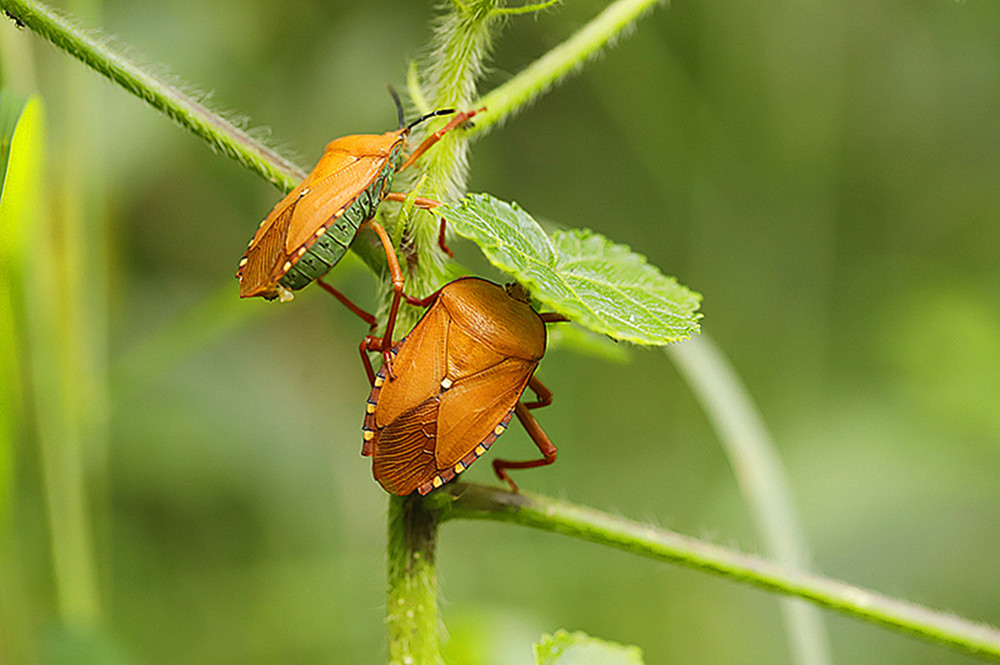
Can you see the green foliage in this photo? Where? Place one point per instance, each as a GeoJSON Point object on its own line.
{"type": "Point", "coordinates": [21, 149]}
{"type": "Point", "coordinates": [11, 106]}
{"type": "Point", "coordinates": [76, 645]}
{"type": "Point", "coordinates": [600, 285]}
{"type": "Point", "coordinates": [564, 648]}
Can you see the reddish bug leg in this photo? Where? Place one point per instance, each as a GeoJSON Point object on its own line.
{"type": "Point", "coordinates": [543, 396]}
{"type": "Point", "coordinates": [426, 204]}
{"type": "Point", "coordinates": [541, 440]}
{"type": "Point", "coordinates": [441, 239]}
{"type": "Point", "coordinates": [436, 136]}
{"type": "Point", "coordinates": [423, 302]}
{"type": "Point", "coordinates": [397, 286]}
{"type": "Point", "coordinates": [368, 318]}
{"type": "Point", "coordinates": [369, 343]}
{"type": "Point", "coordinates": [419, 202]}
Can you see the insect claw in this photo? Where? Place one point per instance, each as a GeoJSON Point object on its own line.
{"type": "Point", "coordinates": [388, 365]}
{"type": "Point", "coordinates": [441, 240]}
{"type": "Point", "coordinates": [502, 475]}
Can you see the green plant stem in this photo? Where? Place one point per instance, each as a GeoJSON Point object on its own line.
{"type": "Point", "coordinates": [558, 63]}
{"type": "Point", "coordinates": [412, 611]}
{"type": "Point", "coordinates": [760, 474]}
{"type": "Point", "coordinates": [468, 501]}
{"type": "Point", "coordinates": [525, 9]}
{"type": "Point", "coordinates": [170, 99]}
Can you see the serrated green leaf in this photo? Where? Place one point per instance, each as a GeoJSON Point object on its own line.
{"type": "Point", "coordinates": [600, 285]}
{"type": "Point", "coordinates": [564, 648]}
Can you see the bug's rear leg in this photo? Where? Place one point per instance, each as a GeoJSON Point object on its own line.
{"type": "Point", "coordinates": [543, 396]}
{"type": "Point", "coordinates": [368, 318]}
{"type": "Point", "coordinates": [541, 440]}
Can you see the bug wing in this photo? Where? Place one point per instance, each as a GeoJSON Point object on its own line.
{"type": "Point", "coordinates": [267, 250]}
{"type": "Point", "coordinates": [334, 184]}
{"type": "Point", "coordinates": [347, 168]}
{"type": "Point", "coordinates": [419, 367]}
{"type": "Point", "coordinates": [403, 456]}
{"type": "Point", "coordinates": [474, 406]}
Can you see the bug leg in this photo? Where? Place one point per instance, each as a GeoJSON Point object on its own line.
{"type": "Point", "coordinates": [397, 286]}
{"type": "Point", "coordinates": [419, 202]}
{"type": "Point", "coordinates": [436, 136]}
{"type": "Point", "coordinates": [423, 302]}
{"type": "Point", "coordinates": [369, 343]}
{"type": "Point", "coordinates": [441, 240]}
{"type": "Point", "coordinates": [368, 318]}
{"type": "Point", "coordinates": [425, 204]}
{"type": "Point", "coordinates": [538, 436]}
{"type": "Point", "coordinates": [543, 396]}
{"type": "Point", "coordinates": [552, 317]}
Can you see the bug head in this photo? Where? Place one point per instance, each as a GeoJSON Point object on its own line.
{"type": "Point", "coordinates": [517, 292]}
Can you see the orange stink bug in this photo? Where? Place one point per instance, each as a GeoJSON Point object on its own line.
{"type": "Point", "coordinates": [459, 377]}
{"type": "Point", "coordinates": [310, 229]}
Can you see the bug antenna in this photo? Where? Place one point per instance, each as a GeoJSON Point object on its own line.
{"type": "Point", "coordinates": [399, 106]}
{"type": "Point", "coordinates": [428, 116]}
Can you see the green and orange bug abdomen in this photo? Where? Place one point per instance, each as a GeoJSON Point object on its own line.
{"type": "Point", "coordinates": [460, 374]}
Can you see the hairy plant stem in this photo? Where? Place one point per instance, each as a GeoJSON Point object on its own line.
{"type": "Point", "coordinates": [468, 501]}
{"type": "Point", "coordinates": [412, 612]}
{"type": "Point", "coordinates": [453, 62]}
{"type": "Point", "coordinates": [187, 111]}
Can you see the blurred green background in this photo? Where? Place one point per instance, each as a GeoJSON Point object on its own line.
{"type": "Point", "coordinates": [827, 175]}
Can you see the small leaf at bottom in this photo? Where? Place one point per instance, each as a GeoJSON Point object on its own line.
{"type": "Point", "coordinates": [578, 648]}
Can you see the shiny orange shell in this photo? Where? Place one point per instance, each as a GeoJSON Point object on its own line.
{"type": "Point", "coordinates": [459, 374]}
{"type": "Point", "coordinates": [349, 167]}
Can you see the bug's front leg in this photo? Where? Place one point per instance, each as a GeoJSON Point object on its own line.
{"type": "Point", "coordinates": [396, 275]}
{"type": "Point", "coordinates": [436, 136]}
{"type": "Point", "coordinates": [426, 204]}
